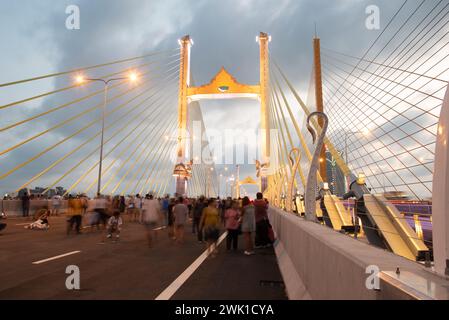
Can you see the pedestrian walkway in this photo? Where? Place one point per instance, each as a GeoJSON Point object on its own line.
{"type": "Point", "coordinates": [235, 276]}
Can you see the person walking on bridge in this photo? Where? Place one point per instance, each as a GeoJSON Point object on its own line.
{"type": "Point", "coordinates": [26, 204]}
{"type": "Point", "coordinates": [232, 223]}
{"type": "Point", "coordinates": [74, 213]}
{"type": "Point", "coordinates": [210, 223]}
{"type": "Point", "coordinates": [248, 225]}
{"type": "Point", "coordinates": [164, 206]}
{"type": "Point", "coordinates": [150, 217]}
{"type": "Point", "coordinates": [197, 213]}
{"type": "Point", "coordinates": [262, 224]}
{"type": "Point", "coordinates": [181, 214]}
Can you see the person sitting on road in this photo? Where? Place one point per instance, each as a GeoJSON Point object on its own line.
{"type": "Point", "coordinates": [2, 225]}
{"type": "Point", "coordinates": [114, 225]}
{"type": "Point", "coordinates": [40, 224]}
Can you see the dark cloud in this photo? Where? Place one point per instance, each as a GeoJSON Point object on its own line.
{"type": "Point", "coordinates": [224, 34]}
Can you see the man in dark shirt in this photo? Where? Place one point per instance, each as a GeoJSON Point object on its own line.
{"type": "Point", "coordinates": [25, 205]}
{"type": "Point", "coordinates": [197, 213]}
{"type": "Point", "coordinates": [261, 214]}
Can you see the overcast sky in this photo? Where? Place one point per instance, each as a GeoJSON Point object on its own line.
{"type": "Point", "coordinates": [35, 41]}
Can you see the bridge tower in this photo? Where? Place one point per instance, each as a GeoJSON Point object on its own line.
{"type": "Point", "coordinates": [264, 39]}
{"type": "Point", "coordinates": [222, 86]}
{"type": "Point", "coordinates": [181, 173]}
{"type": "Point", "coordinates": [319, 100]}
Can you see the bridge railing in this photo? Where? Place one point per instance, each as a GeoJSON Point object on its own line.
{"type": "Point", "coordinates": [318, 263]}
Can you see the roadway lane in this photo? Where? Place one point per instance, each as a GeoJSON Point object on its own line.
{"type": "Point", "coordinates": [127, 269]}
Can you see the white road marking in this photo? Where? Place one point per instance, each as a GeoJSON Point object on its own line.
{"type": "Point", "coordinates": [56, 257]}
{"type": "Point", "coordinates": [175, 285]}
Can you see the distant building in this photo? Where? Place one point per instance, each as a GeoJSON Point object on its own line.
{"type": "Point", "coordinates": [37, 190]}
{"type": "Point", "coordinates": [50, 193]}
{"type": "Point", "coordinates": [60, 191]}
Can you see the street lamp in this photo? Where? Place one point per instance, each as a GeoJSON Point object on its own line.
{"type": "Point", "coordinates": [231, 180]}
{"type": "Point", "coordinates": [80, 79]}
{"type": "Point", "coordinates": [219, 184]}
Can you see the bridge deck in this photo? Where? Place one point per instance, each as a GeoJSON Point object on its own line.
{"type": "Point", "coordinates": [127, 269]}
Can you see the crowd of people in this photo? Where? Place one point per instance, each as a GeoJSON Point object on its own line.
{"type": "Point", "coordinates": [208, 217]}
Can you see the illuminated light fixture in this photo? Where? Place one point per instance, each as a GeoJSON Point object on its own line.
{"type": "Point", "coordinates": [257, 39]}
{"type": "Point", "coordinates": [321, 160]}
{"type": "Point", "coordinates": [269, 38]}
{"type": "Point", "coordinates": [325, 186]}
{"type": "Point", "coordinates": [133, 77]}
{"type": "Point", "coordinates": [440, 130]}
{"type": "Point", "coordinates": [365, 131]}
{"type": "Point", "coordinates": [79, 79]}
{"type": "Point", "coordinates": [361, 179]}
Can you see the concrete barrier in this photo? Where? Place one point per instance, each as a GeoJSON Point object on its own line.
{"type": "Point", "coordinates": [317, 262]}
{"type": "Point", "coordinates": [13, 208]}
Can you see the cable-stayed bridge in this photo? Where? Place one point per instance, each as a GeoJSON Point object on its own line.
{"type": "Point", "coordinates": [363, 154]}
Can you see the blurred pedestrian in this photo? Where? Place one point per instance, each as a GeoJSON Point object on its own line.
{"type": "Point", "coordinates": [232, 224]}
{"type": "Point", "coordinates": [56, 205]}
{"type": "Point", "coordinates": [248, 225]}
{"type": "Point", "coordinates": [26, 204]}
{"type": "Point", "coordinates": [197, 213]}
{"type": "Point", "coordinates": [150, 217]}
{"type": "Point", "coordinates": [114, 226]}
{"type": "Point", "coordinates": [74, 214]}
{"type": "Point", "coordinates": [210, 223]}
{"type": "Point", "coordinates": [170, 224]}
{"type": "Point", "coordinates": [262, 223]}
{"type": "Point", "coordinates": [180, 214]}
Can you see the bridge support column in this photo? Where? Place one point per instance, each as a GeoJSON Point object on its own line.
{"type": "Point", "coordinates": [319, 101]}
{"type": "Point", "coordinates": [264, 39]}
{"type": "Point", "coordinates": [184, 79]}
{"type": "Point", "coordinates": [440, 200]}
